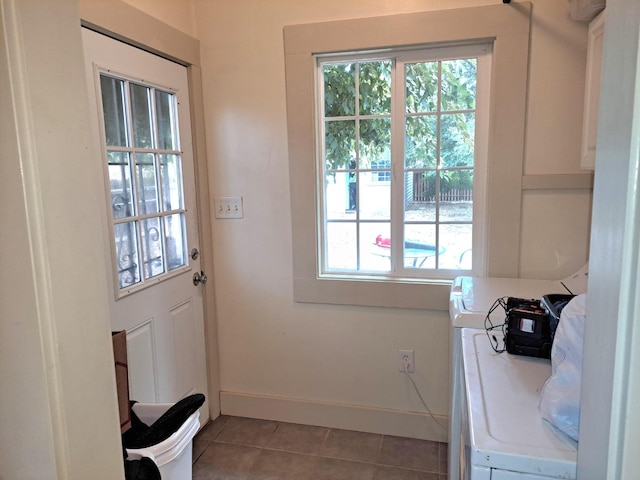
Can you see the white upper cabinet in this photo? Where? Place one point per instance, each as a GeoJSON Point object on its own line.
{"type": "Point", "coordinates": [592, 92]}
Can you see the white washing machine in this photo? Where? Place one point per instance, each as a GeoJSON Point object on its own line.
{"type": "Point", "coordinates": [469, 301]}
{"type": "Point", "coordinates": [503, 435]}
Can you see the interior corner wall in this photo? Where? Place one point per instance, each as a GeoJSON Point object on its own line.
{"type": "Point", "coordinates": [289, 361]}
{"type": "Point", "coordinates": [180, 15]}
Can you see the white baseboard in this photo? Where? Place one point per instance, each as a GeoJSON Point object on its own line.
{"type": "Point", "coordinates": [360, 418]}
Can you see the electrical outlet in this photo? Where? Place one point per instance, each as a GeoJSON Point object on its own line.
{"type": "Point", "coordinates": [228, 207]}
{"type": "Point", "coordinates": [405, 357]}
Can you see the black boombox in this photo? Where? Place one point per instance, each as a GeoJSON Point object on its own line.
{"type": "Point", "coordinates": [531, 324]}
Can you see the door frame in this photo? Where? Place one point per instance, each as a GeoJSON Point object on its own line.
{"type": "Point", "coordinates": [123, 22]}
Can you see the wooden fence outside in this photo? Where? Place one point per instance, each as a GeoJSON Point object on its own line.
{"type": "Point", "coordinates": [454, 195]}
{"type": "Point", "coordinates": [419, 189]}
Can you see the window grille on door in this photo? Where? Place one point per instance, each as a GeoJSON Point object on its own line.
{"type": "Point", "coordinates": [144, 166]}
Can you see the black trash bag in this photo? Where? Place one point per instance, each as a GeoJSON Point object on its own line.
{"type": "Point", "coordinates": [143, 469]}
{"type": "Point", "coordinates": [141, 435]}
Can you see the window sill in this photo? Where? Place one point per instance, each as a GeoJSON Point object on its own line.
{"type": "Point", "coordinates": [397, 293]}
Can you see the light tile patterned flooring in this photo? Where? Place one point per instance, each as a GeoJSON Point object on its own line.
{"type": "Point", "coordinates": [236, 448]}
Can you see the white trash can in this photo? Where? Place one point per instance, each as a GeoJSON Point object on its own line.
{"type": "Point", "coordinates": [173, 456]}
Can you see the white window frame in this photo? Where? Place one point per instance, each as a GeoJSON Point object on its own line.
{"type": "Point", "coordinates": [507, 28]}
{"type": "Point", "coordinates": [399, 58]}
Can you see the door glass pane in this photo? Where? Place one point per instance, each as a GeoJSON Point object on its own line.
{"type": "Point", "coordinates": [151, 238]}
{"type": "Point", "coordinates": [127, 260]}
{"type": "Point", "coordinates": [141, 113]}
{"type": "Point", "coordinates": [120, 183]}
{"type": "Point", "coordinates": [167, 137]}
{"type": "Point", "coordinates": [147, 183]}
{"type": "Point", "coordinates": [113, 107]}
{"type": "Point", "coordinates": [176, 248]}
{"type": "Point", "coordinates": [171, 178]}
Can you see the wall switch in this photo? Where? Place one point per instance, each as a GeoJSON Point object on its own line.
{"type": "Point", "coordinates": [405, 357]}
{"type": "Point", "coordinates": [228, 207]}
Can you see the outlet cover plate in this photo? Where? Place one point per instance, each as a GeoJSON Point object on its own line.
{"type": "Point", "coordinates": [408, 354]}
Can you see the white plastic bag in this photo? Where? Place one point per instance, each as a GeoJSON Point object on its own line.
{"type": "Point", "coordinates": [560, 398]}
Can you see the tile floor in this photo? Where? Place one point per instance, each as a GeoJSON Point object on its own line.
{"type": "Point", "coordinates": [236, 448]}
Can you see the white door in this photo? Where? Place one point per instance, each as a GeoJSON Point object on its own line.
{"type": "Point", "coordinates": [141, 111]}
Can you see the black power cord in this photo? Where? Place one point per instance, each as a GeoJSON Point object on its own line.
{"type": "Point", "coordinates": [489, 327]}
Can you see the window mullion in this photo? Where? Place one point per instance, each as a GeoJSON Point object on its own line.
{"type": "Point", "coordinates": [159, 180]}
{"type": "Point", "coordinates": [397, 166]}
{"type": "Point", "coordinates": [133, 162]}
{"type": "Point", "coordinates": [321, 208]}
{"type": "Point", "coordinates": [357, 164]}
{"type": "Point", "coordinates": [132, 154]}
{"type": "Point", "coordinates": [438, 161]}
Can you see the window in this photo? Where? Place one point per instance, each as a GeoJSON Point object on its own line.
{"type": "Point", "coordinates": [403, 284]}
{"type": "Point", "coordinates": [414, 113]}
{"type": "Point", "coordinates": [145, 179]}
{"type": "Point", "coordinates": [381, 170]}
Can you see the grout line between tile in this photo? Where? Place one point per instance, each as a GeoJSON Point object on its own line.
{"type": "Point", "coordinates": [194, 460]}
{"type": "Point", "coordinates": [331, 457]}
{"type": "Point", "coordinates": [380, 448]}
{"type": "Point", "coordinates": [324, 440]}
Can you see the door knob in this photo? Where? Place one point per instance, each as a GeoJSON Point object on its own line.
{"type": "Point", "coordinates": [199, 278]}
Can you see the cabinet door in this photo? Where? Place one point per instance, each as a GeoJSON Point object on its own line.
{"type": "Point", "coordinates": [592, 92]}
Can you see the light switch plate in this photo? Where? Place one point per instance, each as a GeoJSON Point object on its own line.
{"type": "Point", "coordinates": [228, 207]}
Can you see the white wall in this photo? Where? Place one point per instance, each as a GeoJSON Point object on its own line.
{"type": "Point", "coordinates": [555, 223]}
{"type": "Point", "coordinates": [274, 352]}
